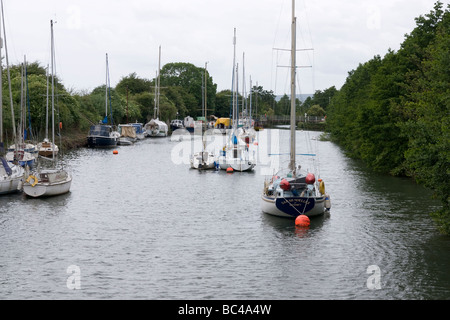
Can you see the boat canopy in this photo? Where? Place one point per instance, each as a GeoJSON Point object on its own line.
{"type": "Point", "coordinates": [223, 122]}
{"type": "Point", "coordinates": [5, 167]}
{"type": "Point", "coordinates": [100, 130]}
{"type": "Point", "coordinates": [139, 127]}
{"type": "Point", "coordinates": [127, 131]}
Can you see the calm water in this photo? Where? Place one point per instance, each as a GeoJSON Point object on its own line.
{"type": "Point", "coordinates": [142, 225]}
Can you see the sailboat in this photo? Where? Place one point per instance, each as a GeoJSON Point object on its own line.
{"type": "Point", "coordinates": [291, 192]}
{"type": "Point", "coordinates": [47, 148]}
{"type": "Point", "coordinates": [103, 135]}
{"type": "Point", "coordinates": [23, 152]}
{"type": "Point", "coordinates": [11, 174]}
{"type": "Point", "coordinates": [156, 127]}
{"type": "Point", "coordinates": [52, 181]}
{"type": "Point", "coordinates": [203, 159]}
{"type": "Point", "coordinates": [236, 153]}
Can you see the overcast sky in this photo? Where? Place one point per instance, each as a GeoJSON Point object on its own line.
{"type": "Point", "coordinates": [342, 34]}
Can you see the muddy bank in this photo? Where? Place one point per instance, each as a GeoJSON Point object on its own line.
{"type": "Point", "coordinates": [72, 139]}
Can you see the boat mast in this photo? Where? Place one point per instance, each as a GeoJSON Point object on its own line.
{"type": "Point", "coordinates": [156, 95]}
{"type": "Point", "coordinates": [158, 86]}
{"type": "Point", "coordinates": [46, 112]}
{"type": "Point", "coordinates": [205, 97]}
{"type": "Point", "coordinates": [106, 87]}
{"type": "Point", "coordinates": [293, 51]}
{"type": "Point", "coordinates": [9, 77]}
{"type": "Point", "coordinates": [233, 93]}
{"type": "Point", "coordinates": [1, 92]}
{"type": "Point", "coordinates": [53, 90]}
{"type": "Point", "coordinates": [250, 103]}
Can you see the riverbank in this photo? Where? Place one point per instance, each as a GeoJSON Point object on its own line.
{"type": "Point", "coordinates": [73, 139]}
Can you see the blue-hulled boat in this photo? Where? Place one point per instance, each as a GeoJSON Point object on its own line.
{"type": "Point", "coordinates": [102, 136]}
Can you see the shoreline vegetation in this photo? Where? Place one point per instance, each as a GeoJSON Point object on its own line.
{"type": "Point", "coordinates": [393, 112]}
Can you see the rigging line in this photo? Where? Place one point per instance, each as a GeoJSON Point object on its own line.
{"type": "Point", "coordinates": [278, 22]}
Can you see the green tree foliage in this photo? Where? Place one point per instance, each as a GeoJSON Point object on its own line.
{"type": "Point", "coordinates": [190, 78]}
{"type": "Point", "coordinates": [321, 98]}
{"type": "Point", "coordinates": [427, 113]}
{"type": "Point", "coordinates": [67, 108]}
{"type": "Point", "coordinates": [316, 111]}
{"type": "Point", "coordinates": [263, 101]}
{"type": "Point", "coordinates": [393, 112]}
{"type": "Point", "coordinates": [223, 104]}
{"type": "Point", "coordinates": [133, 84]}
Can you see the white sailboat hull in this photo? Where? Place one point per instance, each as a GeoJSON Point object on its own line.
{"type": "Point", "coordinates": [236, 164]}
{"type": "Point", "coordinates": [203, 160]}
{"type": "Point", "coordinates": [11, 183]}
{"type": "Point", "coordinates": [52, 187]}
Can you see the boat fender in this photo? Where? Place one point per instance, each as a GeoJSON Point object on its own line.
{"type": "Point", "coordinates": [310, 178]}
{"type": "Point", "coordinates": [327, 202]}
{"type": "Point", "coordinates": [35, 180]}
{"type": "Point", "coordinates": [322, 187]}
{"type": "Point", "coordinates": [285, 185]}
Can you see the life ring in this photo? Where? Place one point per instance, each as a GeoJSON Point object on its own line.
{"type": "Point", "coordinates": [35, 180]}
{"type": "Point", "coordinates": [322, 187]}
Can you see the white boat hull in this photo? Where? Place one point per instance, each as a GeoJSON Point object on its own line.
{"type": "Point", "coordinates": [47, 189]}
{"type": "Point", "coordinates": [11, 183]}
{"type": "Point", "coordinates": [236, 164]}
{"type": "Point", "coordinates": [202, 161]}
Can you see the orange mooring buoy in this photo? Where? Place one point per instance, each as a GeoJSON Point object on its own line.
{"type": "Point", "coordinates": [302, 221]}
{"type": "Point", "coordinates": [115, 152]}
{"type": "Point", "coordinates": [229, 170]}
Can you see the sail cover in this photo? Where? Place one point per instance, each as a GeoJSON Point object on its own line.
{"type": "Point", "coordinates": [5, 165]}
{"type": "Point", "coordinates": [128, 131]}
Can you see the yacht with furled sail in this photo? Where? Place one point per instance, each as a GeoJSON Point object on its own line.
{"type": "Point", "coordinates": [236, 154]}
{"type": "Point", "coordinates": [23, 152]}
{"type": "Point", "coordinates": [54, 179]}
{"type": "Point", "coordinates": [11, 174]}
{"type": "Point", "coordinates": [203, 159]}
{"type": "Point", "coordinates": [156, 127]}
{"type": "Point", "coordinates": [291, 192]}
{"type": "Point", "coordinates": [47, 148]}
{"type": "Point", "coordinates": [103, 135]}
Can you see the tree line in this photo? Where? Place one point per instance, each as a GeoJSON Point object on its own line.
{"type": "Point", "coordinates": [393, 112]}
{"type": "Point", "coordinates": [132, 99]}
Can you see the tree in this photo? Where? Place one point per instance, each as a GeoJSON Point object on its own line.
{"type": "Point", "coordinates": [190, 78]}
{"type": "Point", "coordinates": [134, 84]}
{"type": "Point", "coordinates": [393, 112]}
{"type": "Point", "coordinates": [316, 111]}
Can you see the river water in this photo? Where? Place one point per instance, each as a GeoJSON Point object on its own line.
{"type": "Point", "coordinates": [142, 225]}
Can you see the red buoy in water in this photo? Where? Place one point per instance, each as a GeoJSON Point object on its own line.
{"type": "Point", "coordinates": [229, 170]}
{"type": "Point", "coordinates": [302, 221]}
{"type": "Point", "coordinates": [115, 152]}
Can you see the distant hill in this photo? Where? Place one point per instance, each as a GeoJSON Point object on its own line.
{"type": "Point", "coordinates": [302, 97]}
